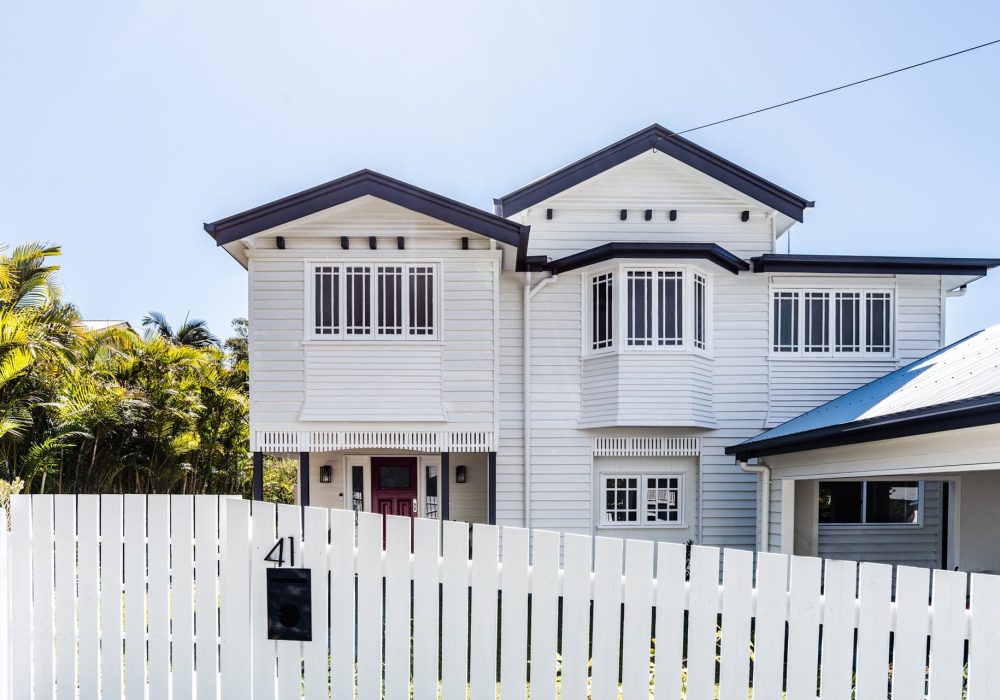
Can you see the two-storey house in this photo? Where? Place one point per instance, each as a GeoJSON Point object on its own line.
{"type": "Point", "coordinates": [578, 360]}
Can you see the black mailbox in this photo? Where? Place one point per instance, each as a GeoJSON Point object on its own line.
{"type": "Point", "coordinates": [289, 604]}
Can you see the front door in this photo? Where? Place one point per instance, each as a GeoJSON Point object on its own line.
{"type": "Point", "coordinates": [394, 485]}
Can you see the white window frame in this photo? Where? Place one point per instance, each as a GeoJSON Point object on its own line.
{"type": "Point", "coordinates": [641, 501]}
{"type": "Point", "coordinates": [864, 506]}
{"type": "Point", "coordinates": [375, 336]}
{"type": "Point", "coordinates": [832, 351]}
{"type": "Point", "coordinates": [620, 284]}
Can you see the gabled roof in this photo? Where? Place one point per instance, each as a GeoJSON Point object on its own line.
{"type": "Point", "coordinates": [359, 184]}
{"type": "Point", "coordinates": [661, 139]}
{"type": "Point", "coordinates": [955, 387]}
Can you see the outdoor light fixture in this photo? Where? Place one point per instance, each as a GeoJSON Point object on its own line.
{"type": "Point", "coordinates": [325, 474]}
{"type": "Point", "coordinates": [460, 474]}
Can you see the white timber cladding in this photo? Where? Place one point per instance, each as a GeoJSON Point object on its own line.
{"type": "Point", "coordinates": [720, 385]}
{"type": "Point", "coordinates": [436, 386]}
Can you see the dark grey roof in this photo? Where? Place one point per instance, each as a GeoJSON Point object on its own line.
{"type": "Point", "coordinates": [359, 184]}
{"type": "Point", "coordinates": [872, 264]}
{"type": "Point", "coordinates": [661, 139]}
{"type": "Point", "coordinates": [609, 251]}
{"type": "Point", "coordinates": [955, 387]}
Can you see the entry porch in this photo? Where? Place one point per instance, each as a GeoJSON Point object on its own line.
{"type": "Point", "coordinates": [447, 476]}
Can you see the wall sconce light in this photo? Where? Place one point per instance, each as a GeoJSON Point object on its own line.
{"type": "Point", "coordinates": [325, 474]}
{"type": "Point", "coordinates": [460, 474]}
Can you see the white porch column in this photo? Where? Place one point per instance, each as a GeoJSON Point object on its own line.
{"type": "Point", "coordinates": [787, 506]}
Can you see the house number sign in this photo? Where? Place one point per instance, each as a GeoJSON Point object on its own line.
{"type": "Point", "coordinates": [277, 553]}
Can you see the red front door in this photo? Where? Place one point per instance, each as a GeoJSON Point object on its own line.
{"type": "Point", "coordinates": [394, 485]}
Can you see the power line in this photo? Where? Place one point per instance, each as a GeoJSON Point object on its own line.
{"type": "Point", "coordinates": [839, 87]}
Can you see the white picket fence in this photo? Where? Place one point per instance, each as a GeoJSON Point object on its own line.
{"type": "Point", "coordinates": [164, 597]}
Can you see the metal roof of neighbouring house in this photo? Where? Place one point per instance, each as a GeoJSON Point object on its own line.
{"type": "Point", "coordinates": [955, 387]}
{"type": "Point", "coordinates": [655, 137]}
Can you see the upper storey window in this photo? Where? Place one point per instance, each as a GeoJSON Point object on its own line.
{"type": "Point", "coordinates": [373, 301]}
{"type": "Point", "coordinates": [845, 323]}
{"type": "Point", "coordinates": [647, 309]}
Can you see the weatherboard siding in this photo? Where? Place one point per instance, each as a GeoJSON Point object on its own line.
{"type": "Point", "coordinates": [302, 384]}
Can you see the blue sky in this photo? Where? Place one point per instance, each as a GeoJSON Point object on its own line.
{"type": "Point", "coordinates": [125, 125]}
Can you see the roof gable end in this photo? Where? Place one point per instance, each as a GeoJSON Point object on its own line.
{"type": "Point", "coordinates": [661, 139]}
{"type": "Point", "coordinates": [360, 184]}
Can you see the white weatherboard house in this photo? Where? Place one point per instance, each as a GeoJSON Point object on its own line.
{"type": "Point", "coordinates": [904, 470]}
{"type": "Point", "coordinates": [579, 360]}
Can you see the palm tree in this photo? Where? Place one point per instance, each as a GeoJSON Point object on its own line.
{"type": "Point", "coordinates": [193, 332]}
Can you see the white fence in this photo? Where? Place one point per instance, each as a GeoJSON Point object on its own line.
{"type": "Point", "coordinates": [112, 596]}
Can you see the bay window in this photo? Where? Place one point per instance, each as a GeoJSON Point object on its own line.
{"type": "Point", "coordinates": [373, 301]}
{"type": "Point", "coordinates": [832, 322]}
{"type": "Point", "coordinates": [654, 308]}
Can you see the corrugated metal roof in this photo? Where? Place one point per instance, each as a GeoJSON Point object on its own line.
{"type": "Point", "coordinates": [964, 370]}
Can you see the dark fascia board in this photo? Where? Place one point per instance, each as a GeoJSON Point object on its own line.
{"type": "Point", "coordinates": [662, 139]}
{"type": "Point", "coordinates": [876, 264]}
{"type": "Point", "coordinates": [609, 251]}
{"type": "Point", "coordinates": [967, 413]}
{"type": "Point", "coordinates": [359, 184]}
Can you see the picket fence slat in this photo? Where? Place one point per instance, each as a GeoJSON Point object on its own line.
{"type": "Point", "coordinates": [514, 614]}
{"type": "Point", "coordinates": [206, 562]}
{"type": "Point", "coordinates": [182, 595]}
{"type": "Point", "coordinates": [874, 624]}
{"type": "Point", "coordinates": [803, 627]}
{"type": "Point", "coordinates": [111, 597]}
{"type": "Point", "coordinates": [397, 607]}
{"type": "Point", "coordinates": [289, 653]}
{"type": "Point", "coordinates": [669, 629]}
{"type": "Point", "coordinates": [20, 605]}
{"type": "Point", "coordinates": [637, 596]}
{"type": "Point", "coordinates": [454, 610]}
{"type": "Point", "coordinates": [42, 574]}
{"type": "Point", "coordinates": [984, 642]}
{"type": "Point", "coordinates": [5, 622]}
{"type": "Point", "coordinates": [342, 592]}
{"type": "Point", "coordinates": [909, 652]}
{"type": "Point", "coordinates": [702, 612]}
{"type": "Point", "coordinates": [737, 603]}
{"type": "Point", "coordinates": [426, 548]}
{"type": "Point", "coordinates": [544, 612]}
{"type": "Point", "coordinates": [369, 629]}
{"type": "Point", "coordinates": [152, 596]}
{"type": "Point", "coordinates": [236, 655]}
{"type": "Point", "coordinates": [769, 625]}
{"type": "Point", "coordinates": [158, 603]}
{"type": "Point", "coordinates": [575, 615]}
{"type": "Point", "coordinates": [483, 641]}
{"type": "Point", "coordinates": [135, 596]}
{"type": "Point", "coordinates": [88, 592]}
{"type": "Point", "coordinates": [607, 616]}
{"type": "Point", "coordinates": [836, 677]}
{"type": "Point", "coordinates": [315, 654]}
{"type": "Point", "coordinates": [947, 636]}
{"type": "Point", "coordinates": [263, 650]}
{"type": "Point", "coordinates": [64, 512]}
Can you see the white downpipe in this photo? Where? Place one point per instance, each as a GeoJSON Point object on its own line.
{"type": "Point", "coordinates": [764, 515]}
{"type": "Point", "coordinates": [529, 293]}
